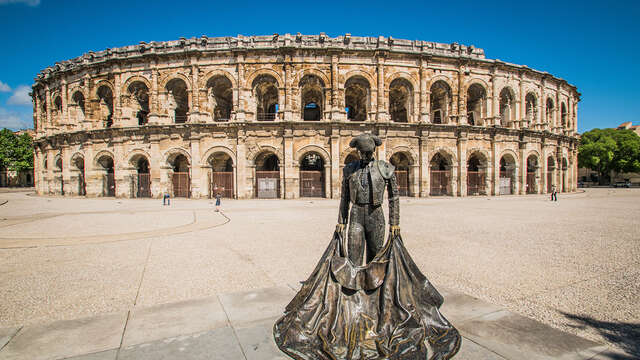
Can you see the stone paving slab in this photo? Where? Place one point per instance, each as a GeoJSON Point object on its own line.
{"type": "Point", "coordinates": [255, 305]}
{"type": "Point", "coordinates": [103, 355]}
{"type": "Point", "coordinates": [469, 350]}
{"type": "Point", "coordinates": [6, 334]}
{"type": "Point", "coordinates": [219, 344]}
{"type": "Point", "coordinates": [169, 320]}
{"type": "Point", "coordinates": [257, 341]}
{"type": "Point", "coordinates": [66, 338]}
{"type": "Point", "coordinates": [517, 337]}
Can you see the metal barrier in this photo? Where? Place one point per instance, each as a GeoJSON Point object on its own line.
{"type": "Point", "coordinates": [265, 116]}
{"type": "Point", "coordinates": [221, 182]}
{"type": "Point", "coordinates": [440, 182]}
{"type": "Point", "coordinates": [402, 178]}
{"type": "Point", "coordinates": [476, 184]}
{"type": "Point", "coordinates": [531, 183]}
{"type": "Point", "coordinates": [311, 183]}
{"type": "Point", "coordinates": [506, 182]}
{"type": "Point", "coordinates": [267, 184]}
{"type": "Point", "coordinates": [181, 184]}
{"type": "Point", "coordinates": [144, 185]}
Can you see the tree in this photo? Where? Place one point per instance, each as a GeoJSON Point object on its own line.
{"type": "Point", "coordinates": [606, 150]}
{"type": "Point", "coordinates": [16, 151]}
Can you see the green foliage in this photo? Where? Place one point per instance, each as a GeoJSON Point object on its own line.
{"type": "Point", "coordinates": [604, 150]}
{"type": "Point", "coordinates": [16, 152]}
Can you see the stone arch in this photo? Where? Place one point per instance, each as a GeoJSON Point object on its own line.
{"type": "Point", "coordinates": [133, 78]}
{"type": "Point", "coordinates": [508, 165]}
{"type": "Point", "coordinates": [166, 78]}
{"type": "Point", "coordinates": [401, 75]}
{"type": "Point", "coordinates": [358, 72]}
{"type": "Point", "coordinates": [217, 149]}
{"type": "Point", "coordinates": [102, 154]}
{"type": "Point", "coordinates": [507, 101]}
{"type": "Point", "coordinates": [75, 160]}
{"type": "Point", "coordinates": [217, 72]}
{"type": "Point", "coordinates": [441, 165]}
{"type": "Point", "coordinates": [401, 99]}
{"type": "Point", "coordinates": [100, 84]}
{"type": "Point", "coordinates": [219, 97]}
{"type": "Point", "coordinates": [403, 161]}
{"type": "Point", "coordinates": [267, 95]}
{"type": "Point", "coordinates": [256, 151]}
{"type": "Point", "coordinates": [135, 154]}
{"type": "Point", "coordinates": [446, 152]}
{"type": "Point", "coordinates": [440, 77]}
{"type": "Point", "coordinates": [440, 103]}
{"type": "Point", "coordinates": [313, 148]}
{"type": "Point", "coordinates": [410, 153]}
{"type": "Point", "coordinates": [264, 71]}
{"type": "Point", "coordinates": [315, 72]}
{"type": "Point", "coordinates": [477, 172]}
{"type": "Point", "coordinates": [531, 107]}
{"type": "Point", "coordinates": [510, 152]}
{"type": "Point", "coordinates": [81, 89]}
{"type": "Point", "coordinates": [171, 154]}
{"type": "Point", "coordinates": [476, 99]}
{"type": "Point", "coordinates": [177, 94]}
{"type": "Point", "coordinates": [346, 152]}
{"type": "Point", "coordinates": [357, 98]}
{"type": "Point", "coordinates": [476, 80]}
{"type": "Point", "coordinates": [312, 97]}
{"type": "Point", "coordinates": [532, 170]}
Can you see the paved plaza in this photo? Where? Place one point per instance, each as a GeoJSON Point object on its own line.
{"type": "Point", "coordinates": [140, 279]}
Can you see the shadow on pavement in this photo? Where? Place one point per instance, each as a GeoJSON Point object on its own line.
{"type": "Point", "coordinates": [625, 336]}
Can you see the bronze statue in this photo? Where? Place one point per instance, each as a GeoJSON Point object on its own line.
{"type": "Point", "coordinates": [366, 299]}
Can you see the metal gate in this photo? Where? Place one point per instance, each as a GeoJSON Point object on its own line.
{"type": "Point", "coordinates": [181, 184]}
{"type": "Point", "coordinates": [109, 185]}
{"type": "Point", "coordinates": [144, 185]}
{"type": "Point", "coordinates": [549, 181]}
{"type": "Point", "coordinates": [506, 187]}
{"type": "Point", "coordinates": [440, 182]}
{"type": "Point", "coordinates": [311, 183]}
{"type": "Point", "coordinates": [221, 182]}
{"type": "Point", "coordinates": [402, 177]}
{"type": "Point", "coordinates": [267, 184]}
{"type": "Point", "coordinates": [476, 184]}
{"type": "Point", "coordinates": [531, 182]}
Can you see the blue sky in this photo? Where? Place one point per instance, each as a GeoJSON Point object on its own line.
{"type": "Point", "coordinates": [593, 45]}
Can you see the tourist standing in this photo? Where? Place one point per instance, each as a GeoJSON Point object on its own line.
{"type": "Point", "coordinates": [218, 202]}
{"type": "Point", "coordinates": [554, 193]}
{"type": "Point", "coordinates": [166, 199]}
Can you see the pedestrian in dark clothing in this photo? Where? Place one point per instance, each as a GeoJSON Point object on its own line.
{"type": "Point", "coordinates": [166, 199]}
{"type": "Point", "coordinates": [217, 202]}
{"type": "Point", "coordinates": [554, 193]}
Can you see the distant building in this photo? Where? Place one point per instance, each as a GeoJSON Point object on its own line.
{"type": "Point", "coordinates": [10, 178]}
{"type": "Point", "coordinates": [627, 126]}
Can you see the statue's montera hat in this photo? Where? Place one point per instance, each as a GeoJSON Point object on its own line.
{"type": "Point", "coordinates": [365, 142]}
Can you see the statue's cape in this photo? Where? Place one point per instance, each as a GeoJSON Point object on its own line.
{"type": "Point", "coordinates": [385, 310]}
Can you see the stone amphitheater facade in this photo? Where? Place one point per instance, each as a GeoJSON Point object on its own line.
{"type": "Point", "coordinates": [272, 116]}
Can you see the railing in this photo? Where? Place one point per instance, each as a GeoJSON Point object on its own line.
{"type": "Point", "coordinates": [181, 184]}
{"type": "Point", "coordinates": [402, 177]}
{"type": "Point", "coordinates": [265, 116]}
{"type": "Point", "coordinates": [531, 183]}
{"type": "Point", "coordinates": [144, 185]}
{"type": "Point", "coordinates": [221, 183]}
{"type": "Point", "coordinates": [440, 182]}
{"type": "Point", "coordinates": [476, 183]}
{"type": "Point", "coordinates": [311, 183]}
{"type": "Point", "coordinates": [506, 182]}
{"type": "Point", "coordinates": [267, 189]}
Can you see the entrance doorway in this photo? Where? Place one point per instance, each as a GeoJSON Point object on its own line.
{"type": "Point", "coordinates": [401, 162]}
{"type": "Point", "coordinates": [440, 178]}
{"type": "Point", "coordinates": [312, 176]}
{"type": "Point", "coordinates": [144, 178]}
{"type": "Point", "coordinates": [221, 178]}
{"type": "Point", "coordinates": [267, 176]}
{"type": "Point", "coordinates": [180, 179]}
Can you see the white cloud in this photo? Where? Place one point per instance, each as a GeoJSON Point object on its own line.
{"type": "Point", "coordinates": [20, 95]}
{"type": "Point", "coordinates": [4, 87]}
{"type": "Point", "coordinates": [14, 121]}
{"type": "Point", "coordinates": [27, 2]}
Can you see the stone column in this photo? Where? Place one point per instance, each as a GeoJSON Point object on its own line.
{"type": "Point", "coordinates": [462, 164]}
{"type": "Point", "coordinates": [336, 111]}
{"type": "Point", "coordinates": [155, 164]}
{"type": "Point", "coordinates": [494, 100]}
{"type": "Point", "coordinates": [120, 166]}
{"type": "Point", "coordinates": [335, 166]}
{"type": "Point", "coordinates": [494, 171]}
{"type": "Point", "coordinates": [288, 75]}
{"type": "Point", "coordinates": [66, 173]}
{"type": "Point", "coordinates": [244, 188]}
{"type": "Point", "coordinates": [543, 109]}
{"type": "Point", "coordinates": [291, 174]}
{"type": "Point", "coordinates": [414, 178]}
{"type": "Point", "coordinates": [241, 103]}
{"type": "Point", "coordinates": [49, 122]}
{"type": "Point", "coordinates": [154, 103]}
{"type": "Point", "coordinates": [523, 169]}
{"type": "Point", "coordinates": [196, 181]}
{"type": "Point", "coordinates": [65, 105]}
{"type": "Point", "coordinates": [117, 101]}
{"type": "Point", "coordinates": [521, 103]}
{"type": "Point", "coordinates": [423, 156]}
{"type": "Point", "coordinates": [462, 108]}
{"type": "Point", "coordinates": [424, 96]}
{"type": "Point", "coordinates": [381, 111]}
{"type": "Point", "coordinates": [195, 93]}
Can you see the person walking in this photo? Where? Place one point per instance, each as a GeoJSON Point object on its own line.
{"type": "Point", "coordinates": [554, 193]}
{"type": "Point", "coordinates": [166, 199]}
{"type": "Point", "coordinates": [218, 202]}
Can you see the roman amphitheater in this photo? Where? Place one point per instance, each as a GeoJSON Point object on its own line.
{"type": "Point", "coordinates": [272, 117]}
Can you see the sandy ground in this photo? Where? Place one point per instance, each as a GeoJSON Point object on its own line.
{"type": "Point", "coordinates": [573, 264]}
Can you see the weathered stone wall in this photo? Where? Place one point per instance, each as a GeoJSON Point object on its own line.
{"type": "Point", "coordinates": [239, 98]}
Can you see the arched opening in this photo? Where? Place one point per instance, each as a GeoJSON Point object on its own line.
{"type": "Point", "coordinates": [532, 167]}
{"type": "Point", "coordinates": [219, 98]}
{"type": "Point", "coordinates": [549, 112]}
{"type": "Point", "coordinates": [476, 175]}
{"type": "Point", "coordinates": [221, 177]}
{"type": "Point", "coordinates": [476, 104]}
{"type": "Point", "coordinates": [143, 184]}
{"type": "Point", "coordinates": [402, 164]}
{"type": "Point", "coordinates": [180, 178]}
{"type": "Point", "coordinates": [531, 109]}
{"type": "Point", "coordinates": [507, 107]}
{"type": "Point", "coordinates": [507, 175]}
{"type": "Point", "coordinates": [551, 166]}
{"type": "Point", "coordinates": [177, 100]}
{"type": "Point", "coordinates": [57, 170]}
{"type": "Point", "coordinates": [78, 108]}
{"type": "Point", "coordinates": [267, 176]}
{"type": "Point", "coordinates": [352, 157]}
{"type": "Point", "coordinates": [440, 169]}
{"type": "Point", "coordinates": [312, 181]}
{"type": "Point", "coordinates": [357, 94]}
{"type": "Point", "coordinates": [57, 109]}
{"type": "Point", "coordinates": [311, 97]}
{"type": "Point", "coordinates": [400, 100]}
{"type": "Point", "coordinates": [563, 115]}
{"type": "Point", "coordinates": [265, 91]}
{"type": "Point", "coordinates": [139, 99]}
{"type": "Point", "coordinates": [77, 163]}
{"type": "Point", "coordinates": [105, 102]}
{"type": "Point", "coordinates": [108, 177]}
{"type": "Point", "coordinates": [440, 102]}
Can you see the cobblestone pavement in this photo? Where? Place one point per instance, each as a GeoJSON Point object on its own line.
{"type": "Point", "coordinates": [573, 264]}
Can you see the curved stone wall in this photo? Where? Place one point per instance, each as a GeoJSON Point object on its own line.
{"type": "Point", "coordinates": [272, 116]}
